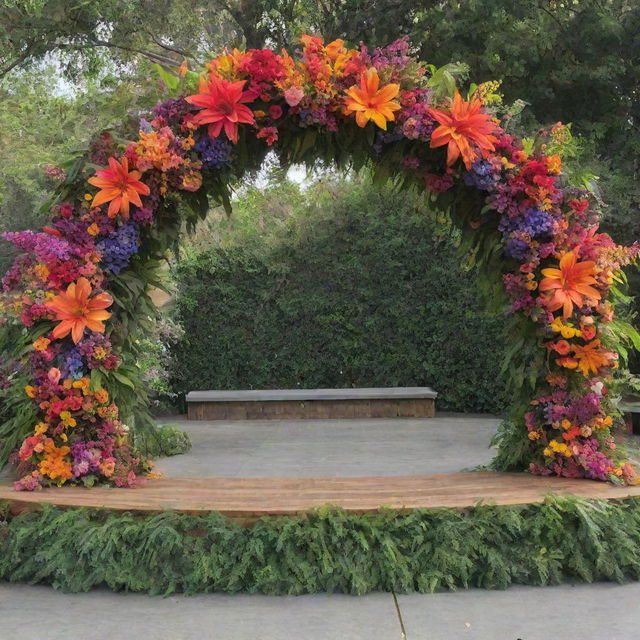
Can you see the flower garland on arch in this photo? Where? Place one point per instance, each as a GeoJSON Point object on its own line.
{"type": "Point", "coordinates": [558, 271]}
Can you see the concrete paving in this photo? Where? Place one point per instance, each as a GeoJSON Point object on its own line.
{"type": "Point", "coordinates": [288, 448]}
{"type": "Point", "coordinates": [585, 612]}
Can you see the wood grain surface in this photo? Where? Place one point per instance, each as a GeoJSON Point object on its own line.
{"type": "Point", "coordinates": [255, 497]}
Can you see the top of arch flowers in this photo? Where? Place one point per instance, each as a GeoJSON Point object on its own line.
{"type": "Point", "coordinates": [75, 299]}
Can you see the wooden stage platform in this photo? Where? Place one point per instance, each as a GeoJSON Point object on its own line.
{"type": "Point", "coordinates": [254, 497]}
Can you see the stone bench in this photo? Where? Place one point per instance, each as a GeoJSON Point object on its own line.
{"type": "Point", "coordinates": [273, 404]}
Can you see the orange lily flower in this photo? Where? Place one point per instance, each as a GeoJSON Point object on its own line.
{"type": "Point", "coordinates": [371, 103]}
{"type": "Point", "coordinates": [462, 128]}
{"type": "Point", "coordinates": [77, 311]}
{"type": "Point", "coordinates": [119, 186]}
{"type": "Point", "coordinates": [569, 283]}
{"type": "Point", "coordinates": [222, 101]}
{"type": "Point", "coordinates": [591, 357]}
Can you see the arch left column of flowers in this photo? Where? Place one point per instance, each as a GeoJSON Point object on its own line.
{"type": "Point", "coordinates": [75, 288]}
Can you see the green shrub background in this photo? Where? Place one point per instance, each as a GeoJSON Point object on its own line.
{"type": "Point", "coordinates": [343, 284]}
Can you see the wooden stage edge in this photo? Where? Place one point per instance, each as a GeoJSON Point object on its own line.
{"type": "Point", "coordinates": [255, 497]}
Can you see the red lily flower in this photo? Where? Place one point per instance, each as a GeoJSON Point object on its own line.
{"type": "Point", "coordinates": [223, 108]}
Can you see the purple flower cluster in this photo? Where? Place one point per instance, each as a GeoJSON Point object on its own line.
{"type": "Point", "coordinates": [415, 121]}
{"type": "Point", "coordinates": [73, 364]}
{"type": "Point", "coordinates": [396, 54]}
{"type": "Point", "coordinates": [143, 216]}
{"type": "Point", "coordinates": [214, 152]}
{"type": "Point", "coordinates": [47, 248]}
{"type": "Point", "coordinates": [85, 460]}
{"type": "Point", "coordinates": [118, 247]}
{"type": "Point", "coordinates": [584, 408]}
{"type": "Point", "coordinates": [171, 112]}
{"type": "Point", "coordinates": [518, 231]}
{"type": "Point", "coordinates": [482, 176]}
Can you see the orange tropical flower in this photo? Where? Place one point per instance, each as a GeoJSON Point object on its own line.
{"type": "Point", "coordinates": [591, 357]}
{"type": "Point", "coordinates": [369, 102]}
{"type": "Point", "coordinates": [77, 311]}
{"type": "Point", "coordinates": [222, 101]}
{"type": "Point", "coordinates": [119, 186]}
{"type": "Point", "coordinates": [465, 129]}
{"type": "Point", "coordinates": [569, 283]}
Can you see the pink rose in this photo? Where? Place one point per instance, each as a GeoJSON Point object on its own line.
{"type": "Point", "coordinates": [293, 95]}
{"type": "Point", "coordinates": [54, 375]}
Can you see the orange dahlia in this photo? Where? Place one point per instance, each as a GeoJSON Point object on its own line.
{"type": "Point", "coordinates": [465, 129]}
{"type": "Point", "coordinates": [223, 107]}
{"type": "Point", "coordinates": [77, 311]}
{"type": "Point", "coordinates": [369, 102]}
{"type": "Point", "coordinates": [119, 187]}
{"type": "Point", "coordinates": [569, 284]}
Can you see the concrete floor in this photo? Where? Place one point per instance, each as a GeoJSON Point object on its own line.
{"type": "Point", "coordinates": [585, 612]}
{"type": "Point", "coordinates": [290, 448]}
{"type": "Point", "coordinates": [445, 444]}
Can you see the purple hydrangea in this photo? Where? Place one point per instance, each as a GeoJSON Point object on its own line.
{"type": "Point", "coordinates": [214, 152]}
{"type": "Point", "coordinates": [481, 176]}
{"type": "Point", "coordinates": [520, 229]}
{"type": "Point", "coordinates": [118, 247]}
{"type": "Point", "coordinates": [73, 364]}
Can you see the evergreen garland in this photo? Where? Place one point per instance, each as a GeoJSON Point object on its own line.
{"type": "Point", "coordinates": [565, 539]}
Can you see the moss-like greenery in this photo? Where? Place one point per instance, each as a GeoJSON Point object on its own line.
{"type": "Point", "coordinates": [563, 540]}
{"type": "Point", "coordinates": [163, 440]}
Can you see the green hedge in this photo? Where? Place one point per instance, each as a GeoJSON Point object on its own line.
{"type": "Point", "coordinates": [353, 288]}
{"type": "Point", "coordinates": [563, 540]}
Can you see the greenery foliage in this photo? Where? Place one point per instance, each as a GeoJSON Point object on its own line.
{"type": "Point", "coordinates": [565, 539]}
{"type": "Point", "coordinates": [165, 440]}
{"type": "Point", "coordinates": [345, 284]}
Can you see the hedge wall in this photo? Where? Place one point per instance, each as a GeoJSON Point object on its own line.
{"type": "Point", "coordinates": [355, 288]}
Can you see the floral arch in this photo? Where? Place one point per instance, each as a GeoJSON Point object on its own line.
{"type": "Point", "coordinates": [76, 297]}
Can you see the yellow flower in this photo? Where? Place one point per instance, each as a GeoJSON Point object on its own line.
{"type": "Point", "coordinates": [41, 344]}
{"type": "Point", "coordinates": [30, 391]}
{"type": "Point", "coordinates": [41, 427]}
{"type": "Point", "coordinates": [567, 332]}
{"type": "Point", "coordinates": [83, 384]}
{"type": "Point", "coordinates": [93, 229]}
{"type": "Point", "coordinates": [41, 271]}
{"type": "Point", "coordinates": [88, 196]}
{"type": "Point", "coordinates": [566, 424]}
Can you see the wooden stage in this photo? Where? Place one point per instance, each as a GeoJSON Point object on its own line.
{"type": "Point", "coordinates": [254, 497]}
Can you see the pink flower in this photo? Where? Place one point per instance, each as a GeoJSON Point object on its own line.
{"type": "Point", "coordinates": [293, 96]}
{"type": "Point", "coordinates": [54, 375]}
{"type": "Point", "coordinates": [270, 134]}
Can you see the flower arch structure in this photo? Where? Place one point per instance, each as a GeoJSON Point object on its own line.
{"type": "Point", "coordinates": [76, 297]}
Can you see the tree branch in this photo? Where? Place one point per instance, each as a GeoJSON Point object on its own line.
{"type": "Point", "coordinates": [156, 57]}
{"type": "Point", "coordinates": [19, 60]}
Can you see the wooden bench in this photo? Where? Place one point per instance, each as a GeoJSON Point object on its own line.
{"type": "Point", "coordinates": [273, 404]}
